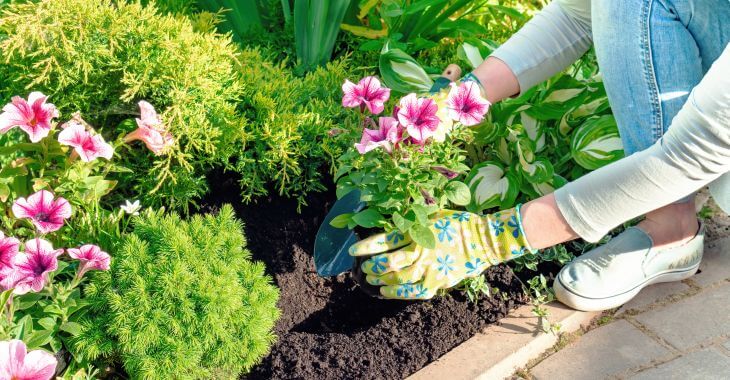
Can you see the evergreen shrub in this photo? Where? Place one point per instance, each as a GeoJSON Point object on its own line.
{"type": "Point", "coordinates": [293, 125]}
{"type": "Point", "coordinates": [182, 301]}
{"type": "Point", "coordinates": [100, 57]}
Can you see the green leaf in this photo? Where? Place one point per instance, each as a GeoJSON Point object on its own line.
{"type": "Point", "coordinates": [38, 339]}
{"type": "Point", "coordinates": [342, 220]}
{"type": "Point", "coordinates": [72, 328]}
{"type": "Point", "coordinates": [4, 297]}
{"type": "Point", "coordinates": [26, 300]}
{"type": "Point", "coordinates": [423, 236]}
{"type": "Point", "coordinates": [368, 218]}
{"type": "Point", "coordinates": [421, 213]}
{"type": "Point", "coordinates": [23, 327]}
{"type": "Point", "coordinates": [47, 323]}
{"type": "Point", "coordinates": [458, 193]}
{"type": "Point", "coordinates": [403, 223]}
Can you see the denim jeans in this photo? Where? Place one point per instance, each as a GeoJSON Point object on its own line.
{"type": "Point", "coordinates": [652, 53]}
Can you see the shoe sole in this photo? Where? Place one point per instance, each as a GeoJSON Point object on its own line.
{"type": "Point", "coordinates": [579, 302]}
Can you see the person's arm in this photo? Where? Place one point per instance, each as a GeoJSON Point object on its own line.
{"type": "Point", "coordinates": [694, 152]}
{"type": "Point", "coordinates": [552, 40]}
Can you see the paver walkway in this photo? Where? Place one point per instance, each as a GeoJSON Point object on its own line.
{"type": "Point", "coordinates": [675, 330]}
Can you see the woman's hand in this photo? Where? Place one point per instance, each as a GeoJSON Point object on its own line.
{"type": "Point", "coordinates": [466, 245]}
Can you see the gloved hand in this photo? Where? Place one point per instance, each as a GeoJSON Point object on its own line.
{"type": "Point", "coordinates": [466, 245]}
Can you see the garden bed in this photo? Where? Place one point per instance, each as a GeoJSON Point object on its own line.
{"type": "Point", "coordinates": [329, 328]}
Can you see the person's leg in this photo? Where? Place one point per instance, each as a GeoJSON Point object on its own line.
{"type": "Point", "coordinates": [694, 152]}
{"type": "Point", "coordinates": [651, 54]}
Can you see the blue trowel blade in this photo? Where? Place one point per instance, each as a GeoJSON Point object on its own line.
{"type": "Point", "coordinates": [331, 244]}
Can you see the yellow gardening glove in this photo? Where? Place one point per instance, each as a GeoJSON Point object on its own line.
{"type": "Point", "coordinates": [466, 245]}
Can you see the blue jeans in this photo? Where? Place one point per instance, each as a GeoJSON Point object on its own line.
{"type": "Point", "coordinates": [652, 53]}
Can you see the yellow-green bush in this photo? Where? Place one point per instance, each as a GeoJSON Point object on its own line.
{"type": "Point", "coordinates": [182, 301]}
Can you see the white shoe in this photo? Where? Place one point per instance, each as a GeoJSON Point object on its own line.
{"type": "Point", "coordinates": [612, 274]}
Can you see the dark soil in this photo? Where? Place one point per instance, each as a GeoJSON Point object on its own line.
{"type": "Point", "coordinates": [329, 328]}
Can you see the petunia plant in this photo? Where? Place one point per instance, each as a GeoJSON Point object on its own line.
{"type": "Point", "coordinates": [408, 164]}
{"type": "Point", "coordinates": [51, 190]}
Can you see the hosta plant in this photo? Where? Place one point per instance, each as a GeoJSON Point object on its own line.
{"type": "Point", "coordinates": [408, 165]}
{"type": "Point", "coordinates": [182, 300]}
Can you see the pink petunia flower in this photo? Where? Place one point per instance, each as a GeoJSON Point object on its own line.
{"type": "Point", "coordinates": [91, 257]}
{"type": "Point", "coordinates": [418, 115]}
{"type": "Point", "coordinates": [150, 130]}
{"type": "Point", "coordinates": [46, 213]}
{"type": "Point", "coordinates": [8, 250]}
{"type": "Point", "coordinates": [31, 267]}
{"type": "Point", "coordinates": [387, 136]}
{"type": "Point", "coordinates": [87, 145]}
{"type": "Point", "coordinates": [466, 105]}
{"type": "Point", "coordinates": [367, 92]}
{"type": "Point", "coordinates": [16, 363]}
{"type": "Point", "coordinates": [32, 116]}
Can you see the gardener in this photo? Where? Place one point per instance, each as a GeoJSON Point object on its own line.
{"type": "Point", "coordinates": [666, 69]}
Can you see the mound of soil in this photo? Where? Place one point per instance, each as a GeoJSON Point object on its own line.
{"type": "Point", "coordinates": [329, 328]}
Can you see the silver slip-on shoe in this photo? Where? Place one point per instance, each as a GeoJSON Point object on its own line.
{"type": "Point", "coordinates": [612, 274]}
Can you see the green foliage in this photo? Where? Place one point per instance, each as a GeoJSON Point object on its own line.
{"type": "Point", "coordinates": [316, 25]}
{"type": "Point", "coordinates": [293, 125]}
{"type": "Point", "coordinates": [119, 54]}
{"type": "Point", "coordinates": [182, 300]}
{"type": "Point", "coordinates": [414, 25]}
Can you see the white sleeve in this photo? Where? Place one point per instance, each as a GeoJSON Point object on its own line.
{"type": "Point", "coordinates": [556, 37]}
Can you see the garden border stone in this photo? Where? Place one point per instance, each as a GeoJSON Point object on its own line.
{"type": "Point", "coordinates": [501, 349]}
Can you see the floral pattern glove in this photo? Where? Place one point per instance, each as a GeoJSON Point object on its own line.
{"type": "Point", "coordinates": [466, 245]}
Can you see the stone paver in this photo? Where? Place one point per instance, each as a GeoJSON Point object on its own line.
{"type": "Point", "coordinates": [693, 320]}
{"type": "Point", "coordinates": [501, 349]}
{"type": "Point", "coordinates": [727, 345]}
{"type": "Point", "coordinates": [707, 364]}
{"type": "Point", "coordinates": [715, 266]}
{"type": "Point", "coordinates": [600, 353]}
{"type": "Point", "coordinates": [653, 294]}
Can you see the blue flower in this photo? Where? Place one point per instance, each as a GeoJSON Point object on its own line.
{"type": "Point", "coordinates": [378, 264]}
{"type": "Point", "coordinates": [421, 291]}
{"type": "Point", "coordinates": [461, 216]}
{"type": "Point", "coordinates": [444, 226]}
{"type": "Point", "coordinates": [498, 227]}
{"type": "Point", "coordinates": [404, 290]}
{"type": "Point", "coordinates": [473, 246]}
{"type": "Point", "coordinates": [395, 236]}
{"type": "Point", "coordinates": [445, 264]}
{"type": "Point", "coordinates": [517, 252]}
{"type": "Point", "coordinates": [515, 226]}
{"type": "Point", "coordinates": [475, 267]}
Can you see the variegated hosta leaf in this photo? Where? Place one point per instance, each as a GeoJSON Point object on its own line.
{"type": "Point", "coordinates": [475, 51]}
{"type": "Point", "coordinates": [562, 96]}
{"type": "Point", "coordinates": [487, 131]}
{"type": "Point", "coordinates": [547, 187]}
{"type": "Point", "coordinates": [530, 126]}
{"type": "Point", "coordinates": [491, 186]}
{"type": "Point", "coordinates": [503, 152]}
{"type": "Point", "coordinates": [537, 171]}
{"type": "Point", "coordinates": [572, 118]}
{"type": "Point", "coordinates": [402, 73]}
{"type": "Point", "coordinates": [596, 143]}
